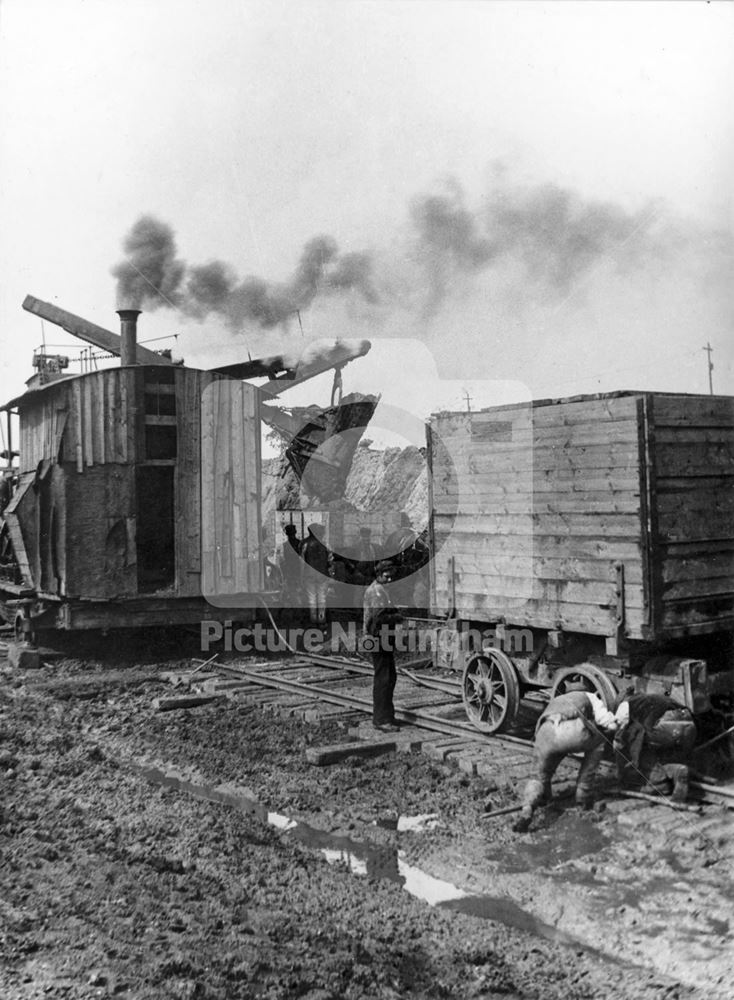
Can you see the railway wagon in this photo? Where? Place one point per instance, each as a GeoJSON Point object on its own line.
{"type": "Point", "coordinates": [137, 500]}
{"type": "Point", "coordinates": [588, 539]}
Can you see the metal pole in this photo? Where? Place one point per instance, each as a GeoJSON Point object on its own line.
{"type": "Point", "coordinates": [714, 740]}
{"type": "Point", "coordinates": [709, 351]}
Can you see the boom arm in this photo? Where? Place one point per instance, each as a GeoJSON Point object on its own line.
{"type": "Point", "coordinates": [106, 340]}
{"type": "Point", "coordinates": [340, 354]}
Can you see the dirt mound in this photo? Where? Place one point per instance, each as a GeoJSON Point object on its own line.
{"type": "Point", "coordinates": [389, 480]}
{"type": "Point", "coordinates": [394, 479]}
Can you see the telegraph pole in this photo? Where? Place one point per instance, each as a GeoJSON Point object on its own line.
{"type": "Point", "coordinates": [709, 351]}
{"type": "Point", "coordinates": [467, 397]}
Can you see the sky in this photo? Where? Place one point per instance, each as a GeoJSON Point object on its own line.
{"type": "Point", "coordinates": [510, 200]}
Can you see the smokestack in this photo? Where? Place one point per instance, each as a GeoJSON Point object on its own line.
{"type": "Point", "coordinates": [128, 335]}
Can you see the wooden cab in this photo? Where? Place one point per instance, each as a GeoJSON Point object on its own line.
{"type": "Point", "coordinates": [138, 499]}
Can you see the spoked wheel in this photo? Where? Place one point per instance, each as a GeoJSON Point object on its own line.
{"type": "Point", "coordinates": [21, 627]}
{"type": "Point", "coordinates": [491, 691]}
{"type": "Point", "coordinates": [590, 678]}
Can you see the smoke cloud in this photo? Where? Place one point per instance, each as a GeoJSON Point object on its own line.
{"type": "Point", "coordinates": [447, 241]}
{"type": "Point", "coordinates": [152, 276]}
{"type": "Point", "coordinates": [550, 236]}
{"type": "Point", "coordinates": [518, 250]}
{"type": "Point", "coordinates": [559, 237]}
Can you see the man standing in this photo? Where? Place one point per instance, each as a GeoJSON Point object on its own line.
{"type": "Point", "coordinates": [290, 567]}
{"type": "Point", "coordinates": [315, 572]}
{"type": "Point", "coordinates": [381, 618]}
{"type": "Point", "coordinates": [576, 722]}
{"type": "Point", "coordinates": [364, 558]}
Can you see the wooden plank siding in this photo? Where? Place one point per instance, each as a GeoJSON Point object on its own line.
{"type": "Point", "coordinates": [188, 485]}
{"type": "Point", "coordinates": [93, 410]}
{"type": "Point", "coordinates": [230, 491]}
{"type": "Point", "coordinates": [100, 555]}
{"type": "Point", "coordinates": [252, 484]}
{"type": "Point", "coordinates": [694, 545]}
{"type": "Point", "coordinates": [533, 506]}
{"type": "Point", "coordinates": [83, 441]}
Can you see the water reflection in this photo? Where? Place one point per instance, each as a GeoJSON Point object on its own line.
{"type": "Point", "coordinates": [375, 861]}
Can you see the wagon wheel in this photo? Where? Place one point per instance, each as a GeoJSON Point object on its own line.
{"type": "Point", "coordinates": [24, 628]}
{"type": "Point", "coordinates": [21, 627]}
{"type": "Point", "coordinates": [594, 680]}
{"type": "Point", "coordinates": [491, 691]}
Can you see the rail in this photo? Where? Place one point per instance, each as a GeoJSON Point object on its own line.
{"type": "Point", "coordinates": [708, 792]}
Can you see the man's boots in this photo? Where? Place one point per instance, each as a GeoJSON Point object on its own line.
{"type": "Point", "coordinates": [535, 794]}
{"type": "Point", "coordinates": [680, 786]}
{"type": "Point", "coordinates": [522, 823]}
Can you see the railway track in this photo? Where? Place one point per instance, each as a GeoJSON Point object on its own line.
{"type": "Point", "coordinates": [319, 687]}
{"type": "Point", "coordinates": [316, 687]}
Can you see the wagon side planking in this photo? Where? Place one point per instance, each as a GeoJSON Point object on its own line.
{"type": "Point", "coordinates": [602, 526]}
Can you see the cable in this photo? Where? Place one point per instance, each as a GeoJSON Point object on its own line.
{"type": "Point", "coordinates": [279, 633]}
{"type": "Point", "coordinates": [171, 304]}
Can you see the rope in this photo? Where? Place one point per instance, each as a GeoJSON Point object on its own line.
{"type": "Point", "coordinates": [272, 622]}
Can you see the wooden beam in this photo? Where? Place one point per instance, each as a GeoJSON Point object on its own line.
{"type": "Point", "coordinates": [322, 756]}
{"type": "Point", "coordinates": [79, 327]}
{"type": "Point", "coordinates": [184, 701]}
{"type": "Point", "coordinates": [270, 367]}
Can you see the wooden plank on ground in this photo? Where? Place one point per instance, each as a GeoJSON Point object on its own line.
{"type": "Point", "coordinates": [298, 671]}
{"type": "Point", "coordinates": [216, 685]}
{"type": "Point", "coordinates": [316, 712]}
{"type": "Point", "coordinates": [427, 701]}
{"type": "Point", "coordinates": [288, 705]}
{"type": "Point", "coordinates": [347, 718]}
{"type": "Point", "coordinates": [184, 701]}
{"type": "Point", "coordinates": [465, 759]}
{"type": "Point", "coordinates": [258, 696]}
{"type": "Point", "coordinates": [321, 756]}
{"type": "Point", "coordinates": [441, 749]}
{"type": "Point", "coordinates": [450, 708]}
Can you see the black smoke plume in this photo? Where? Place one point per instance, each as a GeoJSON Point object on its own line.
{"type": "Point", "coordinates": [552, 235]}
{"type": "Point", "coordinates": [448, 241]}
{"type": "Point", "coordinates": [559, 237]}
{"type": "Point", "coordinates": [151, 276]}
{"type": "Point", "coordinates": [536, 244]}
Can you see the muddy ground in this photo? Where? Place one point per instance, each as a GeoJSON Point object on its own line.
{"type": "Point", "coordinates": [115, 885]}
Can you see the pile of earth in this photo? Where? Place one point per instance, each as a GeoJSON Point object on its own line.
{"type": "Point", "coordinates": [379, 480]}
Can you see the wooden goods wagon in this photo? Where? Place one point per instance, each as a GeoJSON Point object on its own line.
{"type": "Point", "coordinates": [588, 538]}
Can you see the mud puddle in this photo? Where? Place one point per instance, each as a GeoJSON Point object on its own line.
{"type": "Point", "coordinates": [566, 836]}
{"type": "Point", "coordinates": [380, 862]}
